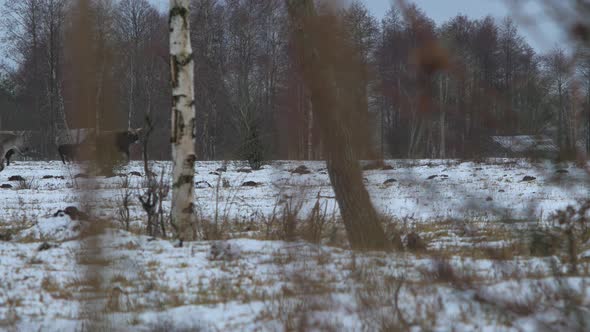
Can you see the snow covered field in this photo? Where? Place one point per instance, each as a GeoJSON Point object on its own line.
{"type": "Point", "coordinates": [490, 258]}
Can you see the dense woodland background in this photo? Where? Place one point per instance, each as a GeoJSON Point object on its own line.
{"type": "Point", "coordinates": [425, 91]}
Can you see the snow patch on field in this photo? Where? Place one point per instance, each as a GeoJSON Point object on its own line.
{"type": "Point", "coordinates": [120, 280]}
{"type": "Point", "coordinates": [60, 228]}
{"type": "Point", "coordinates": [460, 190]}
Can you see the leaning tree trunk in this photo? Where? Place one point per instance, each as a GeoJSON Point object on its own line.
{"type": "Point", "coordinates": [588, 122]}
{"type": "Point", "coordinates": [183, 119]}
{"type": "Point", "coordinates": [322, 53]}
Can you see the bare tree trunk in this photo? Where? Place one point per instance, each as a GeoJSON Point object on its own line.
{"type": "Point", "coordinates": [131, 110]}
{"type": "Point", "coordinates": [588, 120]}
{"type": "Point", "coordinates": [560, 117]}
{"type": "Point", "coordinates": [316, 43]}
{"type": "Point", "coordinates": [572, 117]}
{"type": "Point", "coordinates": [309, 129]}
{"type": "Point", "coordinates": [98, 97]}
{"type": "Point", "coordinates": [443, 143]}
{"type": "Point", "coordinates": [183, 119]}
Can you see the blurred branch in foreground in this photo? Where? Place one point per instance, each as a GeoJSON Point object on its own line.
{"type": "Point", "coordinates": [324, 55]}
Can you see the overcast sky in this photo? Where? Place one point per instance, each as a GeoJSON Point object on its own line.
{"type": "Point", "coordinates": [546, 36]}
{"type": "Point", "coordinates": [543, 37]}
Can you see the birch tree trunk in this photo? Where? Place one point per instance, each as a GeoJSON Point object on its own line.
{"type": "Point", "coordinates": [183, 119]}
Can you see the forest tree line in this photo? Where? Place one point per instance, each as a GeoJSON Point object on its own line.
{"type": "Point", "coordinates": [424, 90]}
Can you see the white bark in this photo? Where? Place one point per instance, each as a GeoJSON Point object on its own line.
{"type": "Point", "coordinates": [183, 119]}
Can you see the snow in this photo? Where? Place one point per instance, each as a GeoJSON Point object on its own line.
{"type": "Point", "coordinates": [60, 228]}
{"type": "Point", "coordinates": [122, 280]}
{"type": "Point", "coordinates": [464, 194]}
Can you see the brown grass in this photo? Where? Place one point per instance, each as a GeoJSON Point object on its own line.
{"type": "Point", "coordinates": [57, 291]}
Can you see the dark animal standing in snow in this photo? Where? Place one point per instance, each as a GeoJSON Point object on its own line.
{"type": "Point", "coordinates": [11, 142]}
{"type": "Point", "coordinates": [69, 152]}
{"type": "Point", "coordinates": [7, 156]}
{"type": "Point", "coordinates": [107, 144]}
{"type": "Point", "coordinates": [124, 139]}
{"type": "Point", "coordinates": [10, 153]}
{"type": "Point", "coordinates": [117, 141]}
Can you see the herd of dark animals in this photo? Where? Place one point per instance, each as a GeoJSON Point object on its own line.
{"type": "Point", "coordinates": [119, 141]}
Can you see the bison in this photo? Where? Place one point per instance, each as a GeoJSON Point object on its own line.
{"type": "Point", "coordinates": [119, 140]}
{"type": "Point", "coordinates": [106, 144]}
{"type": "Point", "coordinates": [70, 152]}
